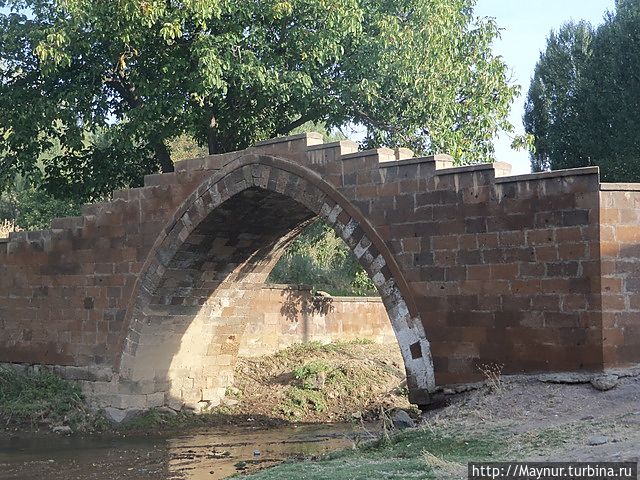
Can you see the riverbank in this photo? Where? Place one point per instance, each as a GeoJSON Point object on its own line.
{"type": "Point", "coordinates": [513, 420]}
{"type": "Point", "coordinates": [509, 418]}
{"type": "Point", "coordinates": [305, 383]}
{"type": "Point", "coordinates": [524, 420]}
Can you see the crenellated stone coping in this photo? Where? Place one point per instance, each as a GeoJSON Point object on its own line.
{"type": "Point", "coordinates": [325, 153]}
{"type": "Point", "coordinates": [571, 172]}
{"type": "Point", "coordinates": [465, 169]}
{"type": "Point", "coordinates": [403, 153]}
{"type": "Point", "coordinates": [383, 155]}
{"type": "Point", "coordinates": [441, 161]}
{"type": "Point", "coordinates": [313, 138]}
{"type": "Point", "coordinates": [340, 143]}
{"type": "Point", "coordinates": [620, 187]}
{"type": "Point", "coordinates": [345, 146]}
{"type": "Point", "coordinates": [157, 179]}
{"type": "Point", "coordinates": [207, 162]}
{"type": "Point", "coordinates": [67, 223]}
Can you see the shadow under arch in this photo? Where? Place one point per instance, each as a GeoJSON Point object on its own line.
{"type": "Point", "coordinates": [190, 304]}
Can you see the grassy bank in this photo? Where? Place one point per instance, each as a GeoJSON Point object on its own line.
{"type": "Point", "coordinates": [309, 382]}
{"type": "Point", "coordinates": [524, 420]}
{"type": "Point", "coordinates": [434, 451]}
{"type": "Point", "coordinates": [42, 399]}
{"type": "Point", "coordinates": [423, 453]}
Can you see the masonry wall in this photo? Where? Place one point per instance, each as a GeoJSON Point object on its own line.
{"type": "Point", "coordinates": [283, 315]}
{"type": "Point", "coordinates": [620, 252]}
{"type": "Point", "coordinates": [504, 270]}
{"type": "Point", "coordinates": [535, 272]}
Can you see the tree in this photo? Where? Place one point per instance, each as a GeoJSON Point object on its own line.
{"type": "Point", "coordinates": [583, 103]}
{"type": "Point", "coordinates": [553, 113]}
{"type": "Point", "coordinates": [611, 95]}
{"type": "Point", "coordinates": [99, 88]}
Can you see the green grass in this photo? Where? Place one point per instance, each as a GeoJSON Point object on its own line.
{"type": "Point", "coordinates": [438, 451]}
{"type": "Point", "coordinates": [401, 456]}
{"type": "Point", "coordinates": [39, 397]}
{"type": "Point", "coordinates": [307, 393]}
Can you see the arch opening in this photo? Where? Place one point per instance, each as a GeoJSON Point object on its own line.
{"type": "Point", "coordinates": [193, 301]}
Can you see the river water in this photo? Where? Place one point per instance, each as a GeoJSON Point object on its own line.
{"type": "Point", "coordinates": [203, 455]}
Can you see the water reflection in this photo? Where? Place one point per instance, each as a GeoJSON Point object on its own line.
{"type": "Point", "coordinates": [209, 455]}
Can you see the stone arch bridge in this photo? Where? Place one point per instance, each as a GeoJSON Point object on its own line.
{"type": "Point", "coordinates": [144, 299]}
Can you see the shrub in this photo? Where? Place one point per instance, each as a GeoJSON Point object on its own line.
{"type": "Point", "coordinates": [320, 258]}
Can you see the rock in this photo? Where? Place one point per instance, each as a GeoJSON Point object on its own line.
{"type": "Point", "coordinates": [320, 293]}
{"type": "Point", "coordinates": [356, 415]}
{"type": "Point", "coordinates": [597, 440]}
{"type": "Point", "coordinates": [167, 411]}
{"type": "Point", "coordinates": [230, 402]}
{"type": "Point", "coordinates": [62, 430]}
{"type": "Point", "coordinates": [119, 415]}
{"type": "Point", "coordinates": [449, 391]}
{"type": "Point", "coordinates": [319, 381]}
{"type": "Point", "coordinates": [197, 407]}
{"type": "Point", "coordinates": [604, 382]}
{"type": "Point", "coordinates": [175, 404]}
{"type": "Point", "coordinates": [402, 420]}
{"type": "Point", "coordinates": [564, 378]}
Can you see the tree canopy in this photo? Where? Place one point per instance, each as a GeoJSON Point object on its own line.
{"type": "Point", "coordinates": [92, 92]}
{"type": "Point", "coordinates": [582, 105]}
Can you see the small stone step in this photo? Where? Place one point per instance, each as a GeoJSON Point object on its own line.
{"type": "Point", "coordinates": [67, 223]}
{"type": "Point", "coordinates": [93, 208]}
{"type": "Point", "coordinates": [156, 179]}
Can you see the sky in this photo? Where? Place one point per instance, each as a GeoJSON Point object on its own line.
{"type": "Point", "coordinates": [525, 26]}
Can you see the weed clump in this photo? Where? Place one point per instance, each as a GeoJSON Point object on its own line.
{"type": "Point", "coordinates": [39, 398]}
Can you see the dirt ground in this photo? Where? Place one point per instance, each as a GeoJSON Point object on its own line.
{"type": "Point", "coordinates": [553, 422]}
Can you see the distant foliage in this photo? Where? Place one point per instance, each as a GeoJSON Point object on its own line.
{"type": "Point", "coordinates": [33, 209]}
{"type": "Point", "coordinates": [184, 146]}
{"type": "Point", "coordinates": [582, 106]}
{"type": "Point", "coordinates": [554, 112]}
{"type": "Point", "coordinates": [320, 258]}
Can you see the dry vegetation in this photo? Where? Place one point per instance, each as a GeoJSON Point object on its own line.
{"type": "Point", "coordinates": [8, 226]}
{"type": "Point", "coordinates": [312, 382]}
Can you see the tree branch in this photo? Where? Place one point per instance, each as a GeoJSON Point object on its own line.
{"type": "Point", "coordinates": [128, 93]}
{"type": "Point", "coordinates": [284, 129]}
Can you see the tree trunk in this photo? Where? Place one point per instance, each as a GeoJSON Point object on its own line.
{"type": "Point", "coordinates": [163, 156]}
